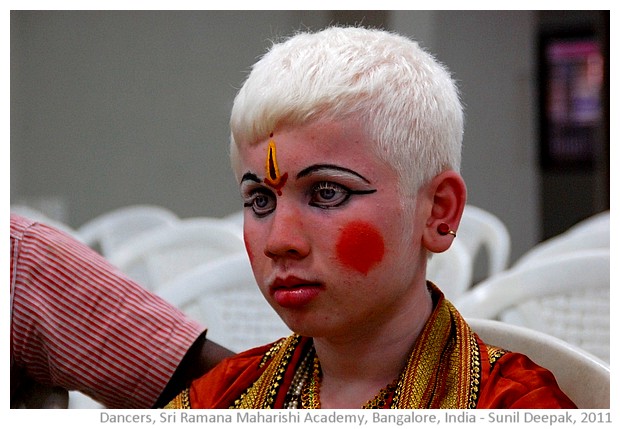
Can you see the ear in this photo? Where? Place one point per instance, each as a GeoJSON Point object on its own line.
{"type": "Point", "coordinates": [448, 194]}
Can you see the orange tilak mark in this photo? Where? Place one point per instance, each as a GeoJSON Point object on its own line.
{"type": "Point", "coordinates": [274, 179]}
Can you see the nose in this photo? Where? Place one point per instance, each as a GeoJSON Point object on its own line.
{"type": "Point", "coordinates": [287, 237]}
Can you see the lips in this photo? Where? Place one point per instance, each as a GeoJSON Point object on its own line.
{"type": "Point", "coordinates": [294, 292]}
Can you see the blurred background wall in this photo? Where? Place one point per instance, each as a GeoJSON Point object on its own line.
{"type": "Point", "coordinates": [112, 108]}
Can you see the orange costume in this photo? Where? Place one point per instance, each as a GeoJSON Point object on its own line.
{"type": "Point", "coordinates": [449, 367]}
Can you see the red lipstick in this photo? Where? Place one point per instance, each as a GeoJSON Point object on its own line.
{"type": "Point", "coordinates": [294, 292]}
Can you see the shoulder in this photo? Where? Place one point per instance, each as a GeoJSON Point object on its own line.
{"type": "Point", "coordinates": [249, 360]}
{"type": "Point", "coordinates": [19, 225]}
{"type": "Point", "coordinates": [228, 380]}
{"type": "Point", "coordinates": [42, 241]}
{"type": "Point", "coordinates": [513, 380]}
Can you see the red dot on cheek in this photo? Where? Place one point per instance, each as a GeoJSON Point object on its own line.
{"type": "Point", "coordinates": [360, 247]}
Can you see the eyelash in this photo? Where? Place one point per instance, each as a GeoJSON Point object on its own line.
{"type": "Point", "coordinates": [330, 186]}
{"type": "Point", "coordinates": [254, 195]}
{"type": "Point", "coordinates": [313, 195]}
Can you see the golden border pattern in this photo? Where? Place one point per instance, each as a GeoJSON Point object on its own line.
{"type": "Point", "coordinates": [181, 401]}
{"type": "Point", "coordinates": [495, 353]}
{"type": "Point", "coordinates": [262, 393]}
{"type": "Point", "coordinates": [443, 370]}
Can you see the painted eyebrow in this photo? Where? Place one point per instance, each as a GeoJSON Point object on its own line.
{"type": "Point", "coordinates": [250, 176]}
{"type": "Point", "coordinates": [320, 167]}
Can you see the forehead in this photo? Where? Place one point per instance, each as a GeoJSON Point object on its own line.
{"type": "Point", "coordinates": [317, 142]}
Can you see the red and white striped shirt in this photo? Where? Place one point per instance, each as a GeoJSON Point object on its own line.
{"type": "Point", "coordinates": [79, 323]}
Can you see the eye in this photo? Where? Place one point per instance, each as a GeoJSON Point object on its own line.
{"type": "Point", "coordinates": [261, 201]}
{"type": "Point", "coordinates": [329, 194]}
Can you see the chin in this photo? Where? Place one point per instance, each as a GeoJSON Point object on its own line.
{"type": "Point", "coordinates": [301, 325]}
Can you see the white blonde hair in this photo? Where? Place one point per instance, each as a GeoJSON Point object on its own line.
{"type": "Point", "coordinates": [407, 100]}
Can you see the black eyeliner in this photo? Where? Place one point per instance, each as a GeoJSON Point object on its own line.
{"type": "Point", "coordinates": [345, 201]}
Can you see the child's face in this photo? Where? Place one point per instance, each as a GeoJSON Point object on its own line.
{"type": "Point", "coordinates": [324, 228]}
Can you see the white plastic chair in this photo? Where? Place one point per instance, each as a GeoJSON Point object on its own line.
{"type": "Point", "coordinates": [223, 294]}
{"type": "Point", "coordinates": [597, 222]}
{"type": "Point", "coordinates": [108, 231]}
{"type": "Point", "coordinates": [582, 376]}
{"type": "Point", "coordinates": [480, 231]}
{"type": "Point", "coordinates": [591, 233]}
{"type": "Point", "coordinates": [157, 256]}
{"type": "Point", "coordinates": [566, 296]}
{"type": "Point", "coordinates": [235, 218]}
{"type": "Point", "coordinates": [451, 271]}
{"type": "Point", "coordinates": [79, 400]}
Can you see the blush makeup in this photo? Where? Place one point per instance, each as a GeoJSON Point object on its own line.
{"type": "Point", "coordinates": [360, 247]}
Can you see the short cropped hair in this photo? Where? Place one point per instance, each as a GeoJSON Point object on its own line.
{"type": "Point", "coordinates": [405, 98]}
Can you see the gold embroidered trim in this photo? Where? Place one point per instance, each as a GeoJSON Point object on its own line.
{"type": "Point", "coordinates": [495, 353]}
{"type": "Point", "coordinates": [262, 393]}
{"type": "Point", "coordinates": [476, 370]}
{"type": "Point", "coordinates": [181, 401]}
{"type": "Point", "coordinates": [272, 351]}
{"type": "Point", "coordinates": [411, 391]}
{"type": "Point", "coordinates": [442, 371]}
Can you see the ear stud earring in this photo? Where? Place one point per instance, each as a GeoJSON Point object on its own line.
{"type": "Point", "coordinates": [444, 229]}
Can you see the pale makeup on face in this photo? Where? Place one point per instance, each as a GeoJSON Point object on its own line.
{"type": "Point", "coordinates": [360, 246]}
{"type": "Point", "coordinates": [321, 247]}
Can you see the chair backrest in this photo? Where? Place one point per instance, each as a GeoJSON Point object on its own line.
{"type": "Point", "coordinates": [591, 233]}
{"type": "Point", "coordinates": [236, 218]}
{"type": "Point", "coordinates": [223, 294]}
{"type": "Point", "coordinates": [451, 271]}
{"type": "Point", "coordinates": [596, 222]}
{"type": "Point", "coordinates": [156, 256]}
{"type": "Point", "coordinates": [79, 400]}
{"type": "Point", "coordinates": [582, 376]}
{"type": "Point", "coordinates": [482, 231]}
{"type": "Point", "coordinates": [106, 232]}
{"type": "Point", "coordinates": [566, 296]}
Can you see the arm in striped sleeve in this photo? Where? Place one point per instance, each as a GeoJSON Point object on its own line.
{"type": "Point", "coordinates": [79, 323]}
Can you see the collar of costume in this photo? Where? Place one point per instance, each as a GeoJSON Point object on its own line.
{"type": "Point", "coordinates": [443, 369]}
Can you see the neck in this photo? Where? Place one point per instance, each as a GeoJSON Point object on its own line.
{"type": "Point", "coordinates": [355, 369]}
